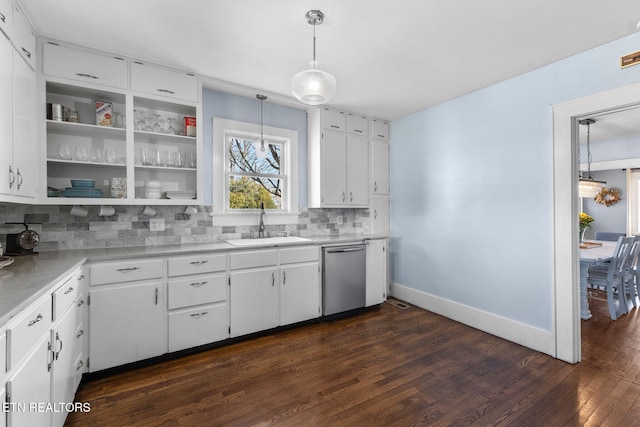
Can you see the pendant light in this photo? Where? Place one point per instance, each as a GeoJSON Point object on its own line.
{"type": "Point", "coordinates": [588, 187]}
{"type": "Point", "coordinates": [314, 86]}
{"type": "Point", "coordinates": [261, 149]}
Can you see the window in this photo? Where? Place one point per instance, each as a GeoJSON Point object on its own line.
{"type": "Point", "coordinates": [244, 175]}
{"type": "Point", "coordinates": [254, 173]}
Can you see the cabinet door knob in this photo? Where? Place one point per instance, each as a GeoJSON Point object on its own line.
{"type": "Point", "coordinates": [343, 196]}
{"type": "Point", "coordinates": [375, 185]}
{"type": "Point", "coordinates": [26, 52]}
{"type": "Point", "coordinates": [350, 196]}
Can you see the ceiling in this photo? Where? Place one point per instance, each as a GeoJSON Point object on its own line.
{"type": "Point", "coordinates": [390, 57]}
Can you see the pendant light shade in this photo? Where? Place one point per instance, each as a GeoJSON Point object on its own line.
{"type": "Point", "coordinates": [314, 86]}
{"type": "Point", "coordinates": [587, 186]}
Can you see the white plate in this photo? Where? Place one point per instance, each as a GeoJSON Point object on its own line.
{"type": "Point", "coordinates": [180, 194]}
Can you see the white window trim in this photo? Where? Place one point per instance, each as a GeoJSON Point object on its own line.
{"type": "Point", "coordinates": [289, 213]}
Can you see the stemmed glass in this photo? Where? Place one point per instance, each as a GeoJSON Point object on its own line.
{"type": "Point", "coordinates": [171, 130]}
{"type": "Point", "coordinates": [140, 123]}
{"type": "Point", "coordinates": [157, 127]}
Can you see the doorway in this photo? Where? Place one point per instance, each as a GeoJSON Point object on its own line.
{"type": "Point", "coordinates": [566, 208]}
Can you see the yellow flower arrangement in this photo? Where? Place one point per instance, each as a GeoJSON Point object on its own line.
{"type": "Point", "coordinates": [585, 221]}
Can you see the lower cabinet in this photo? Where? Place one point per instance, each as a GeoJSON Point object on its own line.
{"type": "Point", "coordinates": [253, 300]}
{"type": "Point", "coordinates": [197, 326]}
{"type": "Point", "coordinates": [63, 372]}
{"type": "Point", "coordinates": [127, 323]}
{"type": "Point", "coordinates": [376, 274]}
{"type": "Point", "coordinates": [299, 292]}
{"type": "Point", "coordinates": [29, 385]}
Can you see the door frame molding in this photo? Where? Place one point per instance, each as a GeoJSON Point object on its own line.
{"type": "Point", "coordinates": [566, 260]}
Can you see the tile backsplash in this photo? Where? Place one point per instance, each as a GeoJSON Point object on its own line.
{"type": "Point", "coordinates": [58, 229]}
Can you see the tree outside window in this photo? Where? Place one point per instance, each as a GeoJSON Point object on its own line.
{"type": "Point", "coordinates": [254, 173]}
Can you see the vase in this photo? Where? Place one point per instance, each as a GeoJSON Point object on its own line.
{"type": "Point", "coordinates": [582, 232]}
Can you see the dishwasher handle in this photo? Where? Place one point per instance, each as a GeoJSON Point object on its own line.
{"type": "Point", "coordinates": [338, 250]}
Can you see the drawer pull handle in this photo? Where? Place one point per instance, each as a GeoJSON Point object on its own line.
{"type": "Point", "coordinates": [36, 320]}
{"type": "Point", "coordinates": [19, 175]}
{"type": "Point", "coordinates": [335, 126]}
{"type": "Point", "coordinates": [273, 279]}
{"type": "Point", "coordinates": [166, 91]}
{"type": "Point", "coordinates": [80, 365]}
{"type": "Point", "coordinates": [68, 290]}
{"type": "Point", "coordinates": [58, 340]}
{"type": "Point", "coordinates": [357, 130]}
{"type": "Point", "coordinates": [2, 17]}
{"type": "Point", "coordinates": [81, 277]}
{"type": "Point", "coordinates": [80, 302]}
{"type": "Point", "coordinates": [80, 333]}
{"type": "Point", "coordinates": [197, 284]}
{"type": "Point", "coordinates": [198, 263]}
{"type": "Point", "coordinates": [381, 136]}
{"type": "Point", "coordinates": [284, 277]}
{"type": "Point", "coordinates": [375, 186]}
{"type": "Point", "coordinates": [156, 297]}
{"type": "Point", "coordinates": [199, 315]}
{"type": "Point", "coordinates": [26, 52]}
{"type": "Point", "coordinates": [128, 270]}
{"type": "Point", "coordinates": [12, 177]}
{"type": "Point", "coordinates": [89, 76]}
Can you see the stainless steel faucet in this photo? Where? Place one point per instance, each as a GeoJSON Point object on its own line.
{"type": "Point", "coordinates": [261, 229]}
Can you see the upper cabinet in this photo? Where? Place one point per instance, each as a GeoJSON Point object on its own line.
{"type": "Point", "coordinates": [163, 82]}
{"type": "Point", "coordinates": [18, 146]}
{"type": "Point", "coordinates": [380, 129]}
{"type": "Point", "coordinates": [136, 139]}
{"type": "Point", "coordinates": [338, 162]}
{"type": "Point", "coordinates": [61, 61]}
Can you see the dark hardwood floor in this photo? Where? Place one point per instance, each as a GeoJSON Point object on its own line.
{"type": "Point", "coordinates": [386, 367]}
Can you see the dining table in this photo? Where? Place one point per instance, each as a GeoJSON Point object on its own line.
{"type": "Point", "coordinates": [590, 252]}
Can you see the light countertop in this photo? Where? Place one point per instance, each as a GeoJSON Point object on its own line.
{"type": "Point", "coordinates": [32, 276]}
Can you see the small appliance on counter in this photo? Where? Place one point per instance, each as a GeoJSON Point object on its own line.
{"type": "Point", "coordinates": [21, 243]}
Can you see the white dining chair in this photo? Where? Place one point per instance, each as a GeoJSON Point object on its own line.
{"type": "Point", "coordinates": [632, 284]}
{"type": "Point", "coordinates": [612, 275]}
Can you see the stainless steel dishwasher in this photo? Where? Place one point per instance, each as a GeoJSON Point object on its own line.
{"type": "Point", "coordinates": [344, 278]}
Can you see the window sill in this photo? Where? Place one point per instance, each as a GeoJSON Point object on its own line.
{"type": "Point", "coordinates": [253, 218]}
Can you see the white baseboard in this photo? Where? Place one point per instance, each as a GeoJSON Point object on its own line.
{"type": "Point", "coordinates": [520, 333]}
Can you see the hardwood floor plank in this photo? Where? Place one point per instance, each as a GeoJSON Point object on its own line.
{"type": "Point", "coordinates": [386, 367]}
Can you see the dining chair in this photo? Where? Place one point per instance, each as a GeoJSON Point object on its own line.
{"type": "Point", "coordinates": [613, 275]}
{"type": "Point", "coordinates": [608, 236]}
{"type": "Point", "coordinates": [632, 285]}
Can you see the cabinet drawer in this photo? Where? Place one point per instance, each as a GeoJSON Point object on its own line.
{"type": "Point", "coordinates": [197, 290]}
{"type": "Point", "coordinates": [6, 17]}
{"type": "Point", "coordinates": [379, 129]}
{"type": "Point", "coordinates": [26, 330]}
{"type": "Point", "coordinates": [64, 297]}
{"type": "Point", "coordinates": [357, 124]}
{"type": "Point", "coordinates": [163, 82]}
{"type": "Point", "coordinates": [202, 325]}
{"type": "Point", "coordinates": [114, 272]}
{"type": "Point", "coordinates": [334, 120]}
{"type": "Point", "coordinates": [252, 259]}
{"type": "Point", "coordinates": [197, 264]}
{"type": "Point", "coordinates": [83, 66]}
{"type": "Point", "coordinates": [300, 254]}
{"type": "Point", "coordinates": [23, 38]}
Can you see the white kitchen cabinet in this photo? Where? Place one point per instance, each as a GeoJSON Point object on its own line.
{"type": "Point", "coordinates": [6, 17]}
{"type": "Point", "coordinates": [299, 292]}
{"type": "Point", "coordinates": [358, 171]}
{"type": "Point", "coordinates": [23, 38]}
{"type": "Point", "coordinates": [358, 125]}
{"type": "Point", "coordinates": [160, 81]}
{"type": "Point", "coordinates": [333, 119]}
{"type": "Point", "coordinates": [338, 164]}
{"type": "Point", "coordinates": [17, 126]}
{"type": "Point", "coordinates": [30, 384]}
{"type": "Point", "coordinates": [379, 166]}
{"type": "Point", "coordinates": [24, 130]}
{"type": "Point", "coordinates": [379, 214]}
{"type": "Point", "coordinates": [88, 67]}
{"type": "Point", "coordinates": [199, 325]}
{"type": "Point", "coordinates": [127, 323]}
{"type": "Point", "coordinates": [379, 129]}
{"type": "Point", "coordinates": [142, 143]}
{"type": "Point", "coordinates": [253, 300]}
{"type": "Point", "coordinates": [376, 273]}
{"type": "Point", "coordinates": [63, 372]}
{"type": "Point", "coordinates": [6, 116]}
{"type": "Point", "coordinates": [3, 398]}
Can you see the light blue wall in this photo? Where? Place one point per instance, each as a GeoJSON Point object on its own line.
{"type": "Point", "coordinates": [472, 189]}
{"type": "Point", "coordinates": [233, 107]}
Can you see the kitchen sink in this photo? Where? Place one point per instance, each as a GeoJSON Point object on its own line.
{"type": "Point", "coordinates": [265, 241]}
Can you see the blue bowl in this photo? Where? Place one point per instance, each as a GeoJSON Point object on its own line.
{"type": "Point", "coordinates": [83, 183]}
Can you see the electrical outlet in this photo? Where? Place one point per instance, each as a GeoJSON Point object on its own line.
{"type": "Point", "coordinates": [156, 224]}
